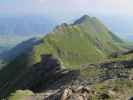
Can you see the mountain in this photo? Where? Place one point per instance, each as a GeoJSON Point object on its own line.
{"type": "Point", "coordinates": [21, 48]}
{"type": "Point", "coordinates": [3, 48]}
{"type": "Point", "coordinates": [85, 41]}
{"type": "Point", "coordinates": [7, 42]}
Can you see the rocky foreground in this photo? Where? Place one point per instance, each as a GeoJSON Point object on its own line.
{"type": "Point", "coordinates": [104, 81]}
{"type": "Point", "coordinates": [73, 93]}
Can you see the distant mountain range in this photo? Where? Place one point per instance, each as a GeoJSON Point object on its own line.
{"type": "Point", "coordinates": [16, 49]}
{"type": "Point", "coordinates": [15, 29]}
{"type": "Point", "coordinates": [25, 25]}
{"type": "Point", "coordinates": [9, 41]}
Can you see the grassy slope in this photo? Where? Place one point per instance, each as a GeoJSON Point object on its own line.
{"type": "Point", "coordinates": [20, 95]}
{"type": "Point", "coordinates": [73, 45]}
{"type": "Point", "coordinates": [78, 44]}
{"type": "Point", "coordinates": [85, 41]}
{"type": "Point", "coordinates": [122, 89]}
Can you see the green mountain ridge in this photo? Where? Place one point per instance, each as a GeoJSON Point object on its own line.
{"type": "Point", "coordinates": [85, 41]}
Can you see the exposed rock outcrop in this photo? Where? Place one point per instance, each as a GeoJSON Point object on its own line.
{"type": "Point", "coordinates": [79, 93]}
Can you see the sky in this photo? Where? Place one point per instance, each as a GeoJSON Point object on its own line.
{"type": "Point", "coordinates": [60, 8]}
{"type": "Point", "coordinates": [70, 9]}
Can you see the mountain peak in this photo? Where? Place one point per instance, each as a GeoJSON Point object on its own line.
{"type": "Point", "coordinates": [82, 19]}
{"type": "Point", "coordinates": [61, 27]}
{"type": "Point", "coordinates": [85, 16]}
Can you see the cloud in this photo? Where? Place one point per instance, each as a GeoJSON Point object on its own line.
{"type": "Point", "coordinates": [96, 6]}
{"type": "Point", "coordinates": [70, 7]}
{"type": "Point", "coordinates": [117, 6]}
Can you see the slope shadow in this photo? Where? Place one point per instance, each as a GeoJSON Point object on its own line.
{"type": "Point", "coordinates": [45, 75]}
{"type": "Point", "coordinates": [19, 49]}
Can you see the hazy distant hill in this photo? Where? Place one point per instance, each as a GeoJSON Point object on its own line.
{"type": "Point", "coordinates": [19, 48]}
{"type": "Point", "coordinates": [25, 25]}
{"type": "Point", "coordinates": [9, 41]}
{"type": "Point", "coordinates": [3, 48]}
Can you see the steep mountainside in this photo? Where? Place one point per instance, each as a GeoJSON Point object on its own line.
{"type": "Point", "coordinates": [85, 41]}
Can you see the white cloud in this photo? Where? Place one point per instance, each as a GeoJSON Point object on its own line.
{"type": "Point", "coordinates": [117, 6]}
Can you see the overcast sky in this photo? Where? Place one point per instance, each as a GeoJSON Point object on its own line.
{"type": "Point", "coordinates": [66, 9]}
